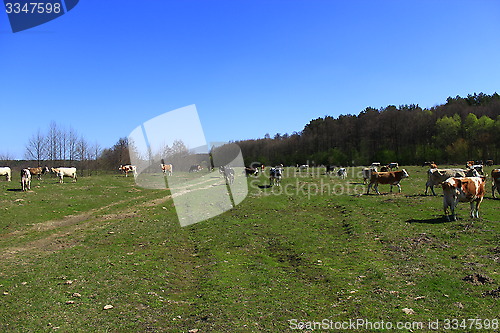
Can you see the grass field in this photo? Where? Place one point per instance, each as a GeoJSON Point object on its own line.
{"type": "Point", "coordinates": [316, 249]}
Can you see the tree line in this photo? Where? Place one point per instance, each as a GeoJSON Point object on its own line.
{"type": "Point", "coordinates": [464, 128]}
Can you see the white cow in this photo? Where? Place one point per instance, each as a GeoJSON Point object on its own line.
{"type": "Point", "coordinates": [62, 171]}
{"type": "Point", "coordinates": [25, 179]}
{"type": "Point", "coordinates": [5, 171]}
{"type": "Point", "coordinates": [342, 173]}
{"type": "Point", "coordinates": [367, 173]}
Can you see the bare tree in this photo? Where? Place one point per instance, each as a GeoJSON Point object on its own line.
{"type": "Point", "coordinates": [53, 141]}
{"type": "Point", "coordinates": [6, 156]}
{"type": "Point", "coordinates": [72, 144]}
{"type": "Point", "coordinates": [36, 148]}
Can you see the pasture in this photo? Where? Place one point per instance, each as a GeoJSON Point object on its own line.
{"type": "Point", "coordinates": [314, 249]}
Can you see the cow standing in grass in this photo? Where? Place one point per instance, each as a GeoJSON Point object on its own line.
{"type": "Point", "coordinates": [391, 178]}
{"type": "Point", "coordinates": [495, 182]}
{"type": "Point", "coordinates": [228, 173]}
{"type": "Point", "coordinates": [329, 169]}
{"type": "Point", "coordinates": [393, 165]}
{"type": "Point", "coordinates": [128, 168]}
{"type": "Point", "coordinates": [25, 179]}
{"type": "Point", "coordinates": [251, 171]}
{"type": "Point", "coordinates": [7, 172]}
{"type": "Point", "coordinates": [437, 176]}
{"type": "Point", "coordinates": [167, 169]}
{"type": "Point", "coordinates": [62, 171]}
{"type": "Point", "coordinates": [275, 175]}
{"type": "Point", "coordinates": [367, 173]}
{"type": "Point", "coordinates": [39, 172]}
{"type": "Point", "coordinates": [463, 189]}
{"type": "Point", "coordinates": [342, 173]}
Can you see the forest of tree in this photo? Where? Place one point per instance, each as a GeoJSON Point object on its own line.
{"type": "Point", "coordinates": [462, 129]}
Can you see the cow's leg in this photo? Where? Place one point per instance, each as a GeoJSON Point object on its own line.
{"type": "Point", "coordinates": [449, 215]}
{"type": "Point", "coordinates": [472, 210]}
{"type": "Point", "coordinates": [453, 206]}
{"type": "Point", "coordinates": [432, 189]}
{"type": "Point", "coordinates": [493, 188]}
{"type": "Point", "coordinates": [376, 188]}
{"type": "Point", "coordinates": [445, 209]}
{"type": "Point", "coordinates": [427, 186]}
{"type": "Point", "coordinates": [478, 203]}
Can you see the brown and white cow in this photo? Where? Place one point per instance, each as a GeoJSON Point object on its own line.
{"type": "Point", "coordinates": [39, 171]}
{"type": "Point", "coordinates": [167, 169]}
{"type": "Point", "coordinates": [463, 189]}
{"type": "Point", "coordinates": [495, 182]}
{"type": "Point", "coordinates": [437, 176]}
{"type": "Point", "coordinates": [128, 168]}
{"type": "Point", "coordinates": [392, 178]}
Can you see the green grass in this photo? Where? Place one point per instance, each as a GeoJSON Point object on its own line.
{"type": "Point", "coordinates": [316, 248]}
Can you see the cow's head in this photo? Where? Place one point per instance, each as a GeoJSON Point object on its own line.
{"type": "Point", "coordinates": [404, 173]}
{"type": "Point", "coordinates": [450, 183]}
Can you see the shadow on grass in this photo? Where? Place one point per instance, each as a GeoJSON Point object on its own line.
{"type": "Point", "coordinates": [435, 220]}
{"type": "Point", "coordinates": [14, 190]}
{"type": "Point", "coordinates": [264, 186]}
{"type": "Point", "coordinates": [420, 195]}
{"type": "Point", "coordinates": [491, 198]}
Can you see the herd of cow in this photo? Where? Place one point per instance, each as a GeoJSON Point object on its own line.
{"type": "Point", "coordinates": [28, 173]}
{"type": "Point", "coordinates": [459, 185]}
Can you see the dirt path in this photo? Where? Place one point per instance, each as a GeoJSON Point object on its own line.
{"type": "Point", "coordinates": [71, 224]}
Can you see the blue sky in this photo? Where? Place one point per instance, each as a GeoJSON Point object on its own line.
{"type": "Point", "coordinates": [251, 67]}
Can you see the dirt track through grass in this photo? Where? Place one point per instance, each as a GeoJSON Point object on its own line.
{"type": "Point", "coordinates": [63, 229]}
